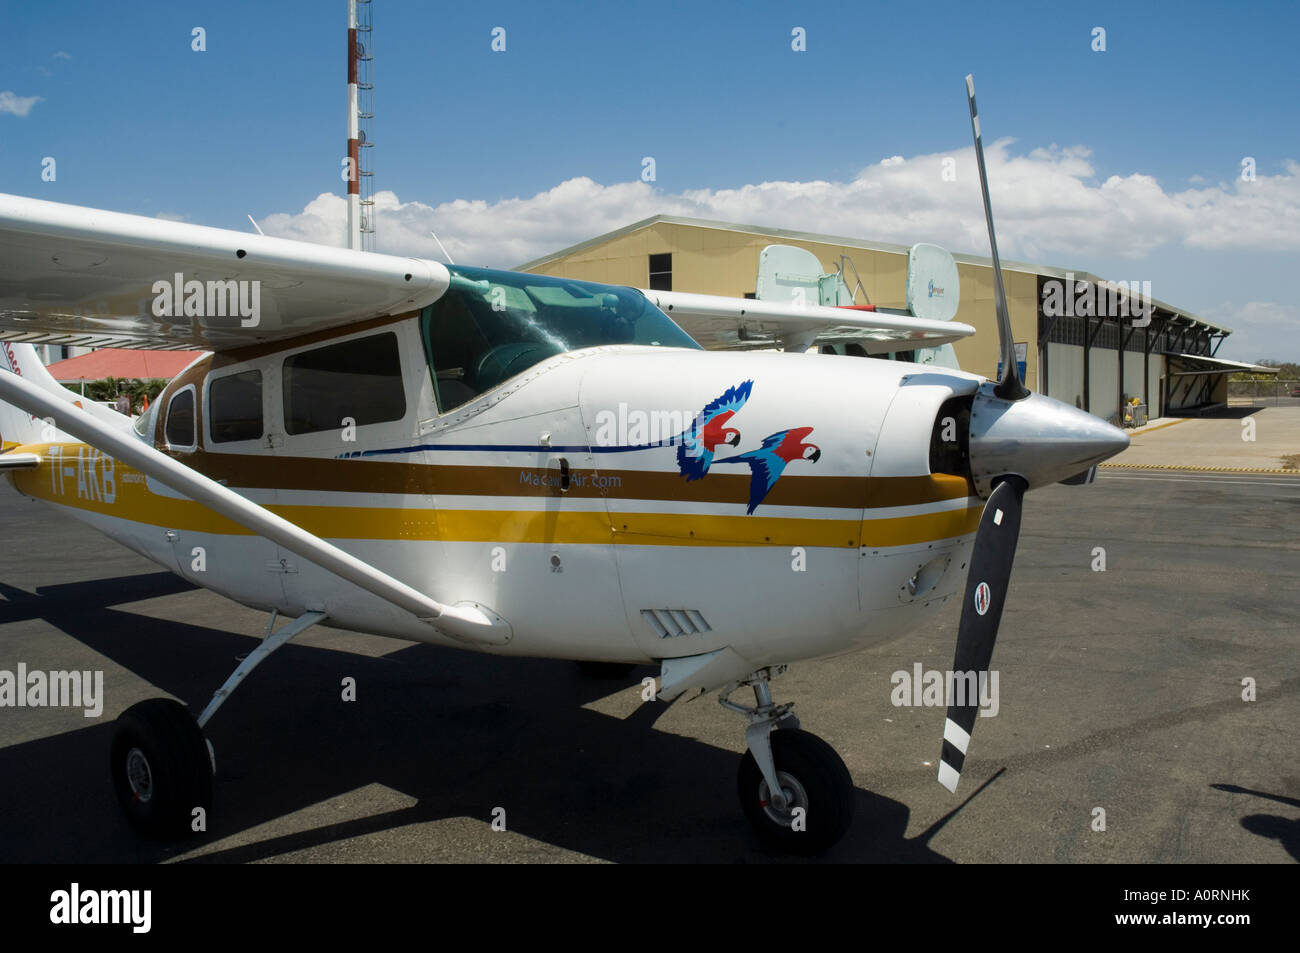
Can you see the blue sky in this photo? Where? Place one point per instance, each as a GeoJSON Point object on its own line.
{"type": "Point", "coordinates": [139, 122]}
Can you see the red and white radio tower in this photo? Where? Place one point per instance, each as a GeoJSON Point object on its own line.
{"type": "Point", "coordinates": [361, 203]}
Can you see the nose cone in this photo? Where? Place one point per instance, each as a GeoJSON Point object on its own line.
{"type": "Point", "coordinates": [1039, 438]}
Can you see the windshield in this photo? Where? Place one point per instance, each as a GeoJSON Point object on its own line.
{"type": "Point", "coordinates": [492, 325]}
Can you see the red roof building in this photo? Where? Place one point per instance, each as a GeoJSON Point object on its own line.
{"type": "Point", "coordinates": [121, 362]}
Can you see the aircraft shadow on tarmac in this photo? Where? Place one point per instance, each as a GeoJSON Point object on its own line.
{"type": "Point", "coordinates": [1284, 830]}
{"type": "Point", "coordinates": [461, 733]}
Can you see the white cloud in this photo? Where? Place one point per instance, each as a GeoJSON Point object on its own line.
{"type": "Point", "coordinates": [1048, 205]}
{"type": "Point", "coordinates": [61, 55]}
{"type": "Point", "coordinates": [1261, 330]}
{"type": "Point", "coordinates": [16, 105]}
{"type": "Point", "coordinates": [171, 216]}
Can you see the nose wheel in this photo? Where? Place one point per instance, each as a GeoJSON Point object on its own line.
{"type": "Point", "coordinates": [792, 785]}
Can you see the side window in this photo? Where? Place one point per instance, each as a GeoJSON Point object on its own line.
{"type": "Point", "coordinates": [475, 341]}
{"type": "Point", "coordinates": [180, 431]}
{"type": "Point", "coordinates": [455, 345]}
{"type": "Point", "coordinates": [235, 407]}
{"type": "Point", "coordinates": [361, 379]}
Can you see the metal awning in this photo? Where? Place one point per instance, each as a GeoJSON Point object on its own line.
{"type": "Point", "coordinates": [1200, 365]}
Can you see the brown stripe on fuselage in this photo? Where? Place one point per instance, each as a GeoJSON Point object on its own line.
{"type": "Point", "coordinates": [254, 471]}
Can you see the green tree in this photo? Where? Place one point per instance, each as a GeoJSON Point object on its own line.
{"type": "Point", "coordinates": [134, 387]}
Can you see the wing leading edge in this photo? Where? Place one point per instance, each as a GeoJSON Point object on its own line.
{"type": "Point", "coordinates": [719, 322]}
{"type": "Point", "coordinates": [73, 275]}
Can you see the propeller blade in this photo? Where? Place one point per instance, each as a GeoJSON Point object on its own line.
{"type": "Point", "coordinates": [1011, 387]}
{"type": "Point", "coordinates": [986, 591]}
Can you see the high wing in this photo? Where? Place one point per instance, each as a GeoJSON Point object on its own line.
{"type": "Point", "coordinates": [72, 275]}
{"type": "Point", "coordinates": [719, 322]}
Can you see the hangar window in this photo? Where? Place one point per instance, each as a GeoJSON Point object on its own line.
{"type": "Point", "coordinates": [493, 325]}
{"type": "Point", "coordinates": [360, 379]}
{"type": "Point", "coordinates": [235, 407]}
{"type": "Point", "coordinates": [661, 272]}
{"type": "Point", "coordinates": [180, 431]}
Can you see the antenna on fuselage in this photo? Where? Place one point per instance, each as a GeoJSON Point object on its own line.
{"type": "Point", "coordinates": [440, 245]}
{"type": "Point", "coordinates": [255, 225]}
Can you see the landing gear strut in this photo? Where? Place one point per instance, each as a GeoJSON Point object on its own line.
{"type": "Point", "coordinates": [793, 787]}
{"type": "Point", "coordinates": [161, 764]}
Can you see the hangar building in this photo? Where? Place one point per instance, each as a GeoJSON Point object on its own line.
{"type": "Point", "coordinates": [1097, 358]}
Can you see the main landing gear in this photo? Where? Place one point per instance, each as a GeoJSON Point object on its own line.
{"type": "Point", "coordinates": [161, 764]}
{"type": "Point", "coordinates": [793, 787]}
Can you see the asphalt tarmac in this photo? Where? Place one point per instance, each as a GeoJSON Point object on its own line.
{"type": "Point", "coordinates": [1120, 690]}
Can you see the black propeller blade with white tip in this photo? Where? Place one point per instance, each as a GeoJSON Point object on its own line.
{"type": "Point", "coordinates": [1017, 440]}
{"type": "Point", "coordinates": [995, 540]}
{"type": "Point", "coordinates": [981, 613]}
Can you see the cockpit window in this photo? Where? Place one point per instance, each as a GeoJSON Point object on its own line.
{"type": "Point", "coordinates": [180, 430]}
{"type": "Point", "coordinates": [492, 325]}
{"type": "Point", "coordinates": [144, 424]}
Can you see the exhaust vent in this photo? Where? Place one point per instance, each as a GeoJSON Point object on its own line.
{"type": "Point", "coordinates": [670, 623]}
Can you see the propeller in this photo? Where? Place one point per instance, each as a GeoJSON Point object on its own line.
{"type": "Point", "coordinates": [1018, 441]}
{"type": "Point", "coordinates": [996, 538]}
{"type": "Point", "coordinates": [1010, 387]}
{"type": "Point", "coordinates": [981, 614]}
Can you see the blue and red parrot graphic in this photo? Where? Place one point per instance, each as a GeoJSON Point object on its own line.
{"type": "Point", "coordinates": [767, 463]}
{"type": "Point", "coordinates": [710, 430]}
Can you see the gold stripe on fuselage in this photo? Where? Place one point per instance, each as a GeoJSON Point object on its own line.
{"type": "Point", "coordinates": [388, 476]}
{"type": "Point", "coordinates": [82, 478]}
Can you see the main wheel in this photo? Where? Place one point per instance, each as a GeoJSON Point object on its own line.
{"type": "Point", "coordinates": [161, 768]}
{"type": "Point", "coordinates": [814, 780]}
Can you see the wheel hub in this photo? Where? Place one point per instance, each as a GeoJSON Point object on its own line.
{"type": "Point", "coordinates": [795, 797]}
{"type": "Point", "coordinates": [140, 777]}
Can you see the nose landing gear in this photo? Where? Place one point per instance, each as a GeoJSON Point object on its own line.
{"type": "Point", "coordinates": [792, 785]}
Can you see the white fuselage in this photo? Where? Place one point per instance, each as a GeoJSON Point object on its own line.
{"type": "Point", "coordinates": [559, 500]}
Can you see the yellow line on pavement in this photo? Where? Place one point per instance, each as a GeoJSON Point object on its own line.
{"type": "Point", "coordinates": [1183, 466]}
{"type": "Point", "coordinates": [1145, 430]}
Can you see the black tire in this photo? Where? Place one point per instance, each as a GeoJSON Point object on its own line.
{"type": "Point", "coordinates": [605, 670]}
{"type": "Point", "coordinates": [824, 790]}
{"type": "Point", "coordinates": [161, 768]}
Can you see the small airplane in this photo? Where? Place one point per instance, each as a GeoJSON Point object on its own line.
{"type": "Point", "coordinates": [525, 465]}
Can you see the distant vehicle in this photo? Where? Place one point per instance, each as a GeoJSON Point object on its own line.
{"type": "Point", "coordinates": [1295, 391]}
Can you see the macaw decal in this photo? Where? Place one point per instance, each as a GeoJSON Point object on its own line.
{"type": "Point", "coordinates": [696, 444]}
{"type": "Point", "coordinates": [767, 463]}
{"type": "Point", "coordinates": [710, 430]}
